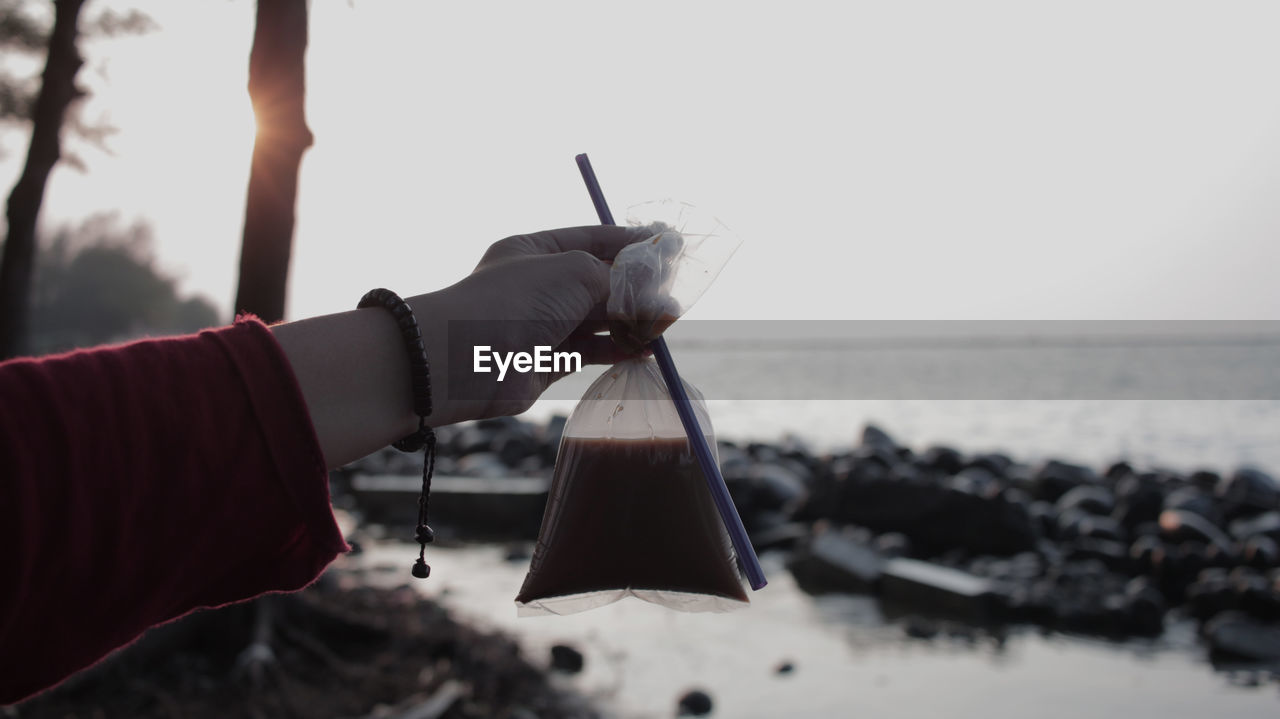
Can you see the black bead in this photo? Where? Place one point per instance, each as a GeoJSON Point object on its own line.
{"type": "Point", "coordinates": [421, 569]}
{"type": "Point", "coordinates": [425, 535]}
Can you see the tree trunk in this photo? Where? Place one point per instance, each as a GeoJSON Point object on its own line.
{"type": "Point", "coordinates": [277, 88]}
{"type": "Point", "coordinates": [57, 90]}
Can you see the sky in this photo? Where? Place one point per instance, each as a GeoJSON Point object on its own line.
{"type": "Point", "coordinates": [887, 160]}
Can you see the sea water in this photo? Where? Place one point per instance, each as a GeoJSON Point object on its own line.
{"type": "Point", "coordinates": [1182, 403]}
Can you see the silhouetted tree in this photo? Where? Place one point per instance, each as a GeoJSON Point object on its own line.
{"type": "Point", "coordinates": [277, 87]}
{"type": "Point", "coordinates": [99, 283]}
{"type": "Point", "coordinates": [47, 110]}
{"type": "Point", "coordinates": [57, 90]}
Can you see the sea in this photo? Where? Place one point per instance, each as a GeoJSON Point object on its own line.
{"type": "Point", "coordinates": [1176, 396]}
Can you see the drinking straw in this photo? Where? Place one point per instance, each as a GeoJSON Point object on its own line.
{"type": "Point", "coordinates": [710, 470]}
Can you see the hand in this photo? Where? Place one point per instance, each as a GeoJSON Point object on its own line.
{"type": "Point", "coordinates": [546, 289]}
{"type": "Point", "coordinates": [541, 290]}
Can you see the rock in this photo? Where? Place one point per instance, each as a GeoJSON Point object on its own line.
{"type": "Point", "coordinates": [1089, 499]}
{"type": "Point", "coordinates": [733, 459]}
{"type": "Point", "coordinates": [1210, 594]}
{"type": "Point", "coordinates": [1025, 566]}
{"type": "Point", "coordinates": [873, 455]}
{"type": "Point", "coordinates": [762, 452]}
{"type": "Point", "coordinates": [1056, 478]}
{"type": "Point", "coordinates": [936, 589]}
{"type": "Point", "coordinates": [1014, 495]}
{"type": "Point", "coordinates": [1261, 552]}
{"type": "Point", "coordinates": [1049, 553]}
{"type": "Point", "coordinates": [1180, 525]}
{"type": "Point", "coordinates": [1118, 471]}
{"type": "Point", "coordinates": [1139, 499]}
{"type": "Point", "coordinates": [566, 659]}
{"type": "Point", "coordinates": [1145, 606]}
{"type": "Point", "coordinates": [1267, 523]}
{"type": "Point", "coordinates": [1086, 598]}
{"type": "Point", "coordinates": [1102, 615]}
{"type": "Point", "coordinates": [1183, 563]}
{"type": "Point", "coordinates": [933, 517]}
{"type": "Point", "coordinates": [997, 464]}
{"type": "Point", "coordinates": [784, 668]}
{"type": "Point", "coordinates": [1113, 555]}
{"type": "Point", "coordinates": [1249, 491]}
{"type": "Point", "coordinates": [975, 481]}
{"type": "Point", "coordinates": [873, 436]}
{"type": "Point", "coordinates": [944, 460]}
{"type": "Point", "coordinates": [1101, 527]}
{"type": "Point", "coordinates": [1191, 499]}
{"type": "Point", "coordinates": [892, 544]}
{"type": "Point", "coordinates": [1066, 525]}
{"type": "Point", "coordinates": [1147, 554]}
{"type": "Point", "coordinates": [1205, 479]}
{"type": "Point", "coordinates": [1239, 636]}
{"type": "Point", "coordinates": [920, 628]}
{"type": "Point", "coordinates": [694, 703]}
{"type": "Point", "coordinates": [1044, 518]}
{"type": "Point", "coordinates": [779, 536]}
{"type": "Point", "coordinates": [834, 562]}
{"type": "Point", "coordinates": [1032, 603]}
{"type": "Point", "coordinates": [775, 486]}
{"type": "Point", "coordinates": [794, 447]}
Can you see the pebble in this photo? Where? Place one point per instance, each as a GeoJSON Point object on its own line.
{"type": "Point", "coordinates": [566, 659]}
{"type": "Point", "coordinates": [1240, 636]}
{"type": "Point", "coordinates": [694, 703]}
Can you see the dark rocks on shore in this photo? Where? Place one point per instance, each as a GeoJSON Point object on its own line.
{"type": "Point", "coordinates": [1108, 552]}
{"type": "Point", "coordinates": [933, 516]}
{"type": "Point", "coordinates": [837, 562]}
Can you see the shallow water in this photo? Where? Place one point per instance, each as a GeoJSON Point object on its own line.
{"type": "Point", "coordinates": [848, 660]}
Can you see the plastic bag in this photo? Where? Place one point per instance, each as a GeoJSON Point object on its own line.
{"type": "Point", "coordinates": [652, 283]}
{"type": "Point", "coordinates": [630, 512]}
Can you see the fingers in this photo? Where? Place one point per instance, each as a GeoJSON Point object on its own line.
{"type": "Point", "coordinates": [597, 349]}
{"type": "Point", "coordinates": [600, 241]}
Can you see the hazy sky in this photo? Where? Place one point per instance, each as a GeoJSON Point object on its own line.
{"type": "Point", "coordinates": [888, 160]}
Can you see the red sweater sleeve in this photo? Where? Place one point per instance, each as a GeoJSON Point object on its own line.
{"type": "Point", "coordinates": [142, 481]}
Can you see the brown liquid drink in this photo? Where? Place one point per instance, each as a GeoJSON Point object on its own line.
{"type": "Point", "coordinates": [631, 514]}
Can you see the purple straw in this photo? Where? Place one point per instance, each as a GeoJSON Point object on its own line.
{"type": "Point", "coordinates": [715, 481]}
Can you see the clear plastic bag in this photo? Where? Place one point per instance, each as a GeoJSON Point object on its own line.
{"type": "Point", "coordinates": [630, 512]}
{"type": "Point", "coordinates": [654, 282]}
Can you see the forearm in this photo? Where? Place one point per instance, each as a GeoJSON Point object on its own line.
{"type": "Point", "coordinates": [353, 370]}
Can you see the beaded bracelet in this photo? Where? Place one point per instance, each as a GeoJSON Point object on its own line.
{"type": "Point", "coordinates": [420, 372]}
